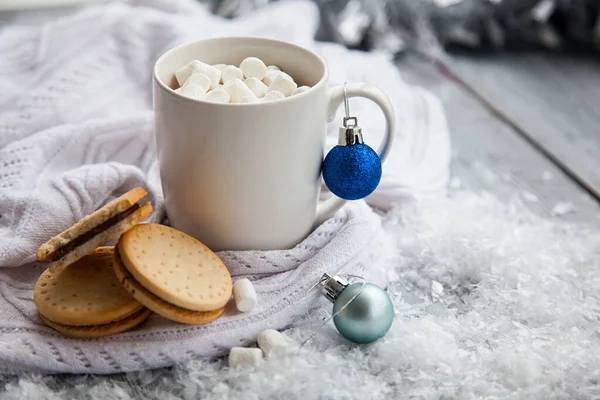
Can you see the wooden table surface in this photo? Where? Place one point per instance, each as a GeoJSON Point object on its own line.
{"type": "Point", "coordinates": [525, 127]}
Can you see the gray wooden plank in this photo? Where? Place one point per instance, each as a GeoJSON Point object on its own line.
{"type": "Point", "coordinates": [553, 99]}
{"type": "Point", "coordinates": [489, 156]}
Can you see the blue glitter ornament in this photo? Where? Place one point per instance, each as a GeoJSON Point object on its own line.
{"type": "Point", "coordinates": [351, 170]}
{"type": "Point", "coordinates": [362, 312]}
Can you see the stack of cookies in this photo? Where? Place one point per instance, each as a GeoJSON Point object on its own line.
{"type": "Point", "coordinates": [85, 299]}
{"type": "Point", "coordinates": [93, 291]}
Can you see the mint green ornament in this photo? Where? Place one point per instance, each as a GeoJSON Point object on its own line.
{"type": "Point", "coordinates": [362, 312]}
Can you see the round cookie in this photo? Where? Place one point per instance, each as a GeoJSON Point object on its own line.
{"type": "Point", "coordinates": [84, 293]}
{"type": "Point", "coordinates": [95, 331]}
{"type": "Point", "coordinates": [158, 305]}
{"type": "Point", "coordinates": [175, 267]}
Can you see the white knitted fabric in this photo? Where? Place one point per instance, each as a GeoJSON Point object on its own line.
{"type": "Point", "coordinates": [76, 130]}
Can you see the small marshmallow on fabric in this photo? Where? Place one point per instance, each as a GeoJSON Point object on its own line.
{"type": "Point", "coordinates": [217, 96]}
{"type": "Point", "coordinates": [244, 294]}
{"type": "Point", "coordinates": [283, 83]}
{"type": "Point", "coordinates": [272, 342]}
{"type": "Point", "coordinates": [245, 357]}
{"type": "Point", "coordinates": [273, 68]}
{"type": "Point", "coordinates": [300, 89]}
{"type": "Point", "coordinates": [230, 73]}
{"type": "Point", "coordinates": [237, 90]}
{"type": "Point", "coordinates": [256, 86]}
{"type": "Point", "coordinates": [193, 92]}
{"type": "Point", "coordinates": [198, 67]}
{"type": "Point", "coordinates": [253, 67]}
{"type": "Point", "coordinates": [274, 95]}
{"type": "Point", "coordinates": [200, 80]}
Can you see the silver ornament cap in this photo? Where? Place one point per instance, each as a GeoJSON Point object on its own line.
{"type": "Point", "coordinates": [332, 286]}
{"type": "Point", "coordinates": [350, 133]}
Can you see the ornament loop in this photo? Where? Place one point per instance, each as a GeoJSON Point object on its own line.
{"type": "Point", "coordinates": [348, 119]}
{"type": "Point", "coordinates": [321, 282]}
{"type": "Point", "coordinates": [346, 106]}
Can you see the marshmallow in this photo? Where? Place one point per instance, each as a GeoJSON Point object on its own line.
{"type": "Point", "coordinates": [273, 68]}
{"type": "Point", "coordinates": [249, 99]}
{"type": "Point", "coordinates": [253, 67]}
{"type": "Point", "coordinates": [198, 79]}
{"type": "Point", "coordinates": [230, 73]}
{"type": "Point", "coordinates": [217, 96]}
{"type": "Point", "coordinates": [237, 90]}
{"type": "Point", "coordinates": [220, 67]}
{"type": "Point", "coordinates": [243, 291]}
{"type": "Point", "coordinates": [283, 83]}
{"type": "Point", "coordinates": [256, 86]}
{"type": "Point", "coordinates": [184, 72]}
{"type": "Point", "coordinates": [300, 89]}
{"type": "Point", "coordinates": [197, 67]}
{"type": "Point", "coordinates": [274, 95]}
{"type": "Point", "coordinates": [193, 92]}
{"type": "Point", "coordinates": [245, 357]}
{"type": "Point", "coordinates": [271, 342]}
{"type": "Point", "coordinates": [270, 76]}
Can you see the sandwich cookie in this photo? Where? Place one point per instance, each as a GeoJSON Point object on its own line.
{"type": "Point", "coordinates": [172, 274]}
{"type": "Point", "coordinates": [85, 298]}
{"type": "Point", "coordinates": [103, 225]}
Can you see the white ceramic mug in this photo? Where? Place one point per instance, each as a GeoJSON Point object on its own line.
{"type": "Point", "coordinates": [248, 176]}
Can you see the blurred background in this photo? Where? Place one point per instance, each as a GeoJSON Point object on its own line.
{"type": "Point", "coordinates": [518, 80]}
{"type": "Point", "coordinates": [396, 26]}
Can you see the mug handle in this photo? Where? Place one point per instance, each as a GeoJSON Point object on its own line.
{"type": "Point", "coordinates": [327, 208]}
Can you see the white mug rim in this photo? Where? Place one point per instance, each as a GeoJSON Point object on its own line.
{"type": "Point", "coordinates": [322, 81]}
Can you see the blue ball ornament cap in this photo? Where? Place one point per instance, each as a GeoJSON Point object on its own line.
{"type": "Point", "coordinates": [362, 312]}
{"type": "Point", "coordinates": [351, 170]}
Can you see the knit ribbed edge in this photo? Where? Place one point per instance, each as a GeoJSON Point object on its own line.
{"type": "Point", "coordinates": [51, 333]}
{"type": "Point", "coordinates": [297, 299]}
{"type": "Point", "coordinates": [133, 358]}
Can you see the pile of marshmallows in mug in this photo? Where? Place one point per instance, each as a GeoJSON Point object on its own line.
{"type": "Point", "coordinates": [251, 82]}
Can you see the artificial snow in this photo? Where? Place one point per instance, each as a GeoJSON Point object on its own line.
{"type": "Point", "coordinates": [516, 318]}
